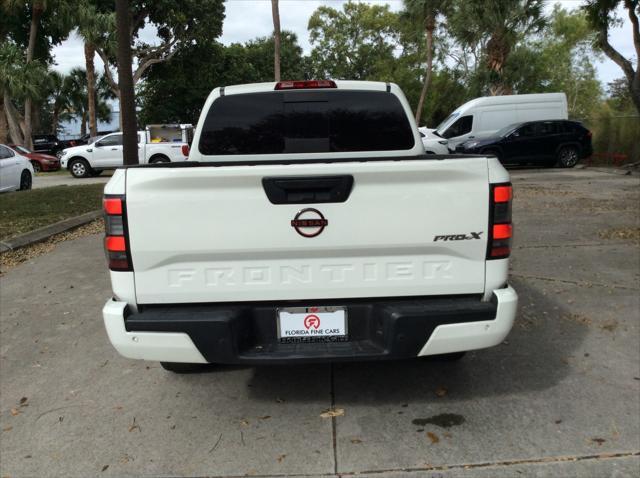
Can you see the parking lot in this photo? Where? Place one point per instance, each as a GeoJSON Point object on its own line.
{"type": "Point", "coordinates": [560, 397]}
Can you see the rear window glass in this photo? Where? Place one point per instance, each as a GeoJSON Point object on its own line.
{"type": "Point", "coordinates": [305, 122]}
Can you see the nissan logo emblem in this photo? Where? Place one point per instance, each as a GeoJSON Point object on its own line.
{"type": "Point", "coordinates": [309, 222]}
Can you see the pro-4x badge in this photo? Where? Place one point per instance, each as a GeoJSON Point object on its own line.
{"type": "Point", "coordinates": [458, 237]}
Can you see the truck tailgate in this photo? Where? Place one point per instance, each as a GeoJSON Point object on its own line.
{"type": "Point", "coordinates": [211, 234]}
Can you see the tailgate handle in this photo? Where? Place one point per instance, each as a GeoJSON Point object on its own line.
{"type": "Point", "coordinates": [308, 189]}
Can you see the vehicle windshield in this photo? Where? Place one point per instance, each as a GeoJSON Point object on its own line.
{"type": "Point", "coordinates": [22, 149]}
{"type": "Point", "coordinates": [507, 129]}
{"type": "Point", "coordinates": [445, 123]}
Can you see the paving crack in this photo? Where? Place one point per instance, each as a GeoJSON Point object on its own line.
{"type": "Point", "coordinates": [459, 466]}
{"type": "Point", "coordinates": [505, 463]}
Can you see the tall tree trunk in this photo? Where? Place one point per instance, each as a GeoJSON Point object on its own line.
{"type": "Point", "coordinates": [498, 50]}
{"type": "Point", "coordinates": [83, 124]}
{"type": "Point", "coordinates": [125, 84]}
{"type": "Point", "coordinates": [430, 26]}
{"type": "Point", "coordinates": [36, 13]}
{"type": "Point", "coordinates": [275, 13]}
{"type": "Point", "coordinates": [4, 126]}
{"type": "Point", "coordinates": [89, 53]}
{"type": "Point", "coordinates": [13, 119]}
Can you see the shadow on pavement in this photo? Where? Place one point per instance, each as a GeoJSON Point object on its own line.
{"type": "Point", "coordinates": [533, 358]}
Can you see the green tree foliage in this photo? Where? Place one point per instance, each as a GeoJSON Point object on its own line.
{"type": "Point", "coordinates": [560, 58]}
{"type": "Point", "coordinates": [177, 24]}
{"type": "Point", "coordinates": [356, 43]}
{"type": "Point", "coordinates": [169, 93]}
{"type": "Point", "coordinates": [34, 27]}
{"type": "Point", "coordinates": [601, 14]}
{"type": "Point", "coordinates": [423, 15]}
{"type": "Point", "coordinates": [496, 26]}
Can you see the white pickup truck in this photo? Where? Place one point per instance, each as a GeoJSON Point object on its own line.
{"type": "Point", "coordinates": [308, 225]}
{"type": "Point", "coordinates": [106, 153]}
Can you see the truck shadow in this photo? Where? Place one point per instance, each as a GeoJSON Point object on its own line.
{"type": "Point", "coordinates": [535, 357]}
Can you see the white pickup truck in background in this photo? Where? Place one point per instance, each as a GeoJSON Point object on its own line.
{"type": "Point", "coordinates": [308, 225]}
{"type": "Point", "coordinates": [157, 144]}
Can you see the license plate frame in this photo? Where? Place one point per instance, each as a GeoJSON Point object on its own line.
{"type": "Point", "coordinates": [290, 323]}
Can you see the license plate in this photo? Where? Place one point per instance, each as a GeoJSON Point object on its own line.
{"type": "Point", "coordinates": [312, 324]}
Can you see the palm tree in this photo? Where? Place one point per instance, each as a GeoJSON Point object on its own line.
{"type": "Point", "coordinates": [18, 81]}
{"type": "Point", "coordinates": [37, 9]}
{"type": "Point", "coordinates": [59, 97]}
{"type": "Point", "coordinates": [426, 12]}
{"type": "Point", "coordinates": [497, 24]}
{"type": "Point", "coordinates": [92, 27]}
{"type": "Point", "coordinates": [275, 13]}
{"type": "Point", "coordinates": [74, 94]}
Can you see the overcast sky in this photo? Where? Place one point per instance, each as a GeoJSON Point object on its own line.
{"type": "Point", "coordinates": [248, 19]}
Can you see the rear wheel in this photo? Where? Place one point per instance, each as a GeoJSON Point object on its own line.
{"type": "Point", "coordinates": [36, 166]}
{"type": "Point", "coordinates": [159, 159]}
{"type": "Point", "coordinates": [26, 181]}
{"type": "Point", "coordinates": [178, 367]}
{"type": "Point", "coordinates": [568, 156]}
{"type": "Point", "coordinates": [79, 168]}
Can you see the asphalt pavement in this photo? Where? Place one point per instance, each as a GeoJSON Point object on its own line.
{"type": "Point", "coordinates": [560, 397]}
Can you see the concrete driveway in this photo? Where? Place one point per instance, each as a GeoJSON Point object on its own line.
{"type": "Point", "coordinates": [560, 397]}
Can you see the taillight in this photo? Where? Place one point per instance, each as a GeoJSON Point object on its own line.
{"type": "Point", "coordinates": [308, 84]}
{"type": "Point", "coordinates": [185, 150]}
{"type": "Point", "coordinates": [116, 243]}
{"type": "Point", "coordinates": [500, 227]}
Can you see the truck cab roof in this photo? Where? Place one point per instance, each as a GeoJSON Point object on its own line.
{"type": "Point", "coordinates": [305, 120]}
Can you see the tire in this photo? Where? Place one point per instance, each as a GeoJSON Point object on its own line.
{"type": "Point", "coordinates": [159, 159]}
{"type": "Point", "coordinates": [79, 168]}
{"type": "Point", "coordinates": [36, 166]}
{"type": "Point", "coordinates": [177, 367]}
{"type": "Point", "coordinates": [568, 156]}
{"type": "Point", "coordinates": [26, 181]}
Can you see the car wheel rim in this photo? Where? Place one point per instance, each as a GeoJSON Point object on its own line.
{"type": "Point", "coordinates": [569, 157]}
{"type": "Point", "coordinates": [78, 169]}
{"type": "Point", "coordinates": [26, 181]}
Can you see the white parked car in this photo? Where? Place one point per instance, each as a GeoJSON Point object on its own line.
{"type": "Point", "coordinates": [433, 144]}
{"type": "Point", "coordinates": [481, 117]}
{"type": "Point", "coordinates": [106, 153]}
{"type": "Point", "coordinates": [16, 171]}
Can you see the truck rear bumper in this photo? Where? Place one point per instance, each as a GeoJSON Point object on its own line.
{"type": "Point", "coordinates": [245, 333]}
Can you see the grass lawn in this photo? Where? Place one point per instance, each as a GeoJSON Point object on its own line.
{"type": "Point", "coordinates": [24, 211]}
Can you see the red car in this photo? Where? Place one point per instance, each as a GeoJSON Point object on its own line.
{"type": "Point", "coordinates": [40, 161]}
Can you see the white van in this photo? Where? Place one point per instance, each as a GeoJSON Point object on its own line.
{"type": "Point", "coordinates": [484, 116]}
